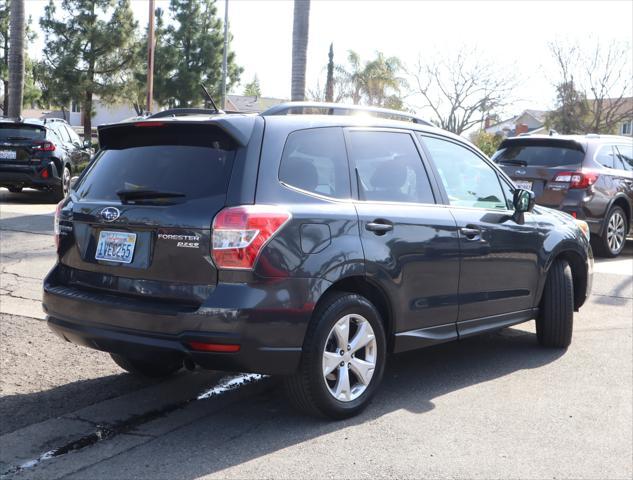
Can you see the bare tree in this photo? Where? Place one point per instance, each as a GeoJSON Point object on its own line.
{"type": "Point", "coordinates": [602, 77]}
{"type": "Point", "coordinates": [462, 89]}
{"type": "Point", "coordinates": [16, 58]}
{"type": "Point", "coordinates": [300, 27]}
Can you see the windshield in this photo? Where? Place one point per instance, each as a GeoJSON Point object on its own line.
{"type": "Point", "coordinates": [541, 156]}
{"type": "Point", "coordinates": [11, 132]}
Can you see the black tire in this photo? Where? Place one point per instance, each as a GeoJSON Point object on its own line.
{"type": "Point", "coordinates": [150, 368]}
{"type": "Point", "coordinates": [15, 189]}
{"type": "Point", "coordinates": [555, 322]}
{"type": "Point", "coordinates": [601, 244]}
{"type": "Point", "coordinates": [60, 191]}
{"type": "Point", "coordinates": [307, 389]}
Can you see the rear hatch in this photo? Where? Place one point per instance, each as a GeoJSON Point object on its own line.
{"type": "Point", "coordinates": [19, 142]}
{"type": "Point", "coordinates": [533, 164]}
{"type": "Point", "coordinates": [141, 214]}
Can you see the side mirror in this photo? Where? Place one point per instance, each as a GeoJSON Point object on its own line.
{"type": "Point", "coordinates": [523, 200]}
{"type": "Point", "coordinates": [73, 181]}
{"type": "Point", "coordinates": [87, 144]}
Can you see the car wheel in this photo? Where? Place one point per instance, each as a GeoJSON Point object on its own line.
{"type": "Point", "coordinates": [63, 188]}
{"type": "Point", "coordinates": [555, 322]}
{"type": "Point", "coordinates": [613, 239]}
{"type": "Point", "coordinates": [15, 189]}
{"type": "Point", "coordinates": [343, 358]}
{"type": "Point", "coordinates": [151, 367]}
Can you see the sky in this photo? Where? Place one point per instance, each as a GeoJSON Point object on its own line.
{"type": "Point", "coordinates": [512, 34]}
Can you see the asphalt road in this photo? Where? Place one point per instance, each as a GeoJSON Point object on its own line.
{"type": "Point", "coordinates": [495, 406]}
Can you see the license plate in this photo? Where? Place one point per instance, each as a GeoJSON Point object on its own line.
{"type": "Point", "coordinates": [116, 246]}
{"type": "Point", "coordinates": [8, 154]}
{"type": "Point", "coordinates": [524, 184]}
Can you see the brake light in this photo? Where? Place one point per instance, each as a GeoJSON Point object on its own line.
{"type": "Point", "coordinates": [56, 227]}
{"type": "Point", "coordinates": [240, 233]}
{"type": "Point", "coordinates": [44, 147]}
{"type": "Point", "coordinates": [149, 124]}
{"type": "Point", "coordinates": [577, 179]}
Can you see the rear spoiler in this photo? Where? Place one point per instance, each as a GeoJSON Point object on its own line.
{"type": "Point", "coordinates": [238, 128]}
{"type": "Point", "coordinates": [559, 142]}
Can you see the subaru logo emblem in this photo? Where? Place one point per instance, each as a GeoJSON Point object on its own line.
{"type": "Point", "coordinates": [110, 214]}
{"type": "Point", "coordinates": [520, 171]}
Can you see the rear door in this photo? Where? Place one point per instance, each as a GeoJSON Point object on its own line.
{"type": "Point", "coordinates": [534, 163]}
{"type": "Point", "coordinates": [410, 242]}
{"type": "Point", "coordinates": [142, 212]}
{"type": "Point", "coordinates": [499, 257]}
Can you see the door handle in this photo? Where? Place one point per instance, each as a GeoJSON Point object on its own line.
{"type": "Point", "coordinates": [379, 227]}
{"type": "Point", "coordinates": [470, 233]}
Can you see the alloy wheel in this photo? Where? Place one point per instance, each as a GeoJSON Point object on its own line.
{"type": "Point", "coordinates": [65, 182]}
{"type": "Point", "coordinates": [616, 232]}
{"type": "Point", "coordinates": [349, 357]}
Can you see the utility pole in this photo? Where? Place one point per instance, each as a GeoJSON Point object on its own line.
{"type": "Point", "coordinates": [226, 52]}
{"type": "Point", "coordinates": [151, 43]}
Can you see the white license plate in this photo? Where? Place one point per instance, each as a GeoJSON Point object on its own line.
{"type": "Point", "coordinates": [524, 184]}
{"type": "Point", "coordinates": [8, 154]}
{"type": "Point", "coordinates": [116, 246]}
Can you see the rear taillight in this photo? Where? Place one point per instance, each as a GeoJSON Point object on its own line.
{"type": "Point", "coordinates": [56, 227]}
{"type": "Point", "coordinates": [44, 147]}
{"type": "Point", "coordinates": [577, 179]}
{"type": "Point", "coordinates": [240, 233]}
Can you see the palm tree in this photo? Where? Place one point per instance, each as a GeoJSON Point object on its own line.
{"type": "Point", "coordinates": [299, 49]}
{"type": "Point", "coordinates": [16, 58]}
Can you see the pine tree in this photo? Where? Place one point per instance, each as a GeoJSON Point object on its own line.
{"type": "Point", "coordinates": [252, 89]}
{"type": "Point", "coordinates": [89, 49]}
{"type": "Point", "coordinates": [329, 82]}
{"type": "Point", "coordinates": [191, 53]}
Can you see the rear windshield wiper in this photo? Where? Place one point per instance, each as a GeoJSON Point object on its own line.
{"type": "Point", "coordinates": [137, 194]}
{"type": "Point", "coordinates": [522, 163]}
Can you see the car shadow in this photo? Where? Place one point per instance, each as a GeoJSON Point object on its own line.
{"type": "Point", "coordinates": [412, 381]}
{"type": "Point", "coordinates": [27, 196]}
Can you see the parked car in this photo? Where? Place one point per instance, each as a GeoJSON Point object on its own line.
{"type": "Point", "coordinates": [305, 245]}
{"type": "Point", "coordinates": [40, 154]}
{"type": "Point", "coordinates": [590, 177]}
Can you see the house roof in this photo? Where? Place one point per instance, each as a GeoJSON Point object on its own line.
{"type": "Point", "coordinates": [250, 104]}
{"type": "Point", "coordinates": [536, 114]}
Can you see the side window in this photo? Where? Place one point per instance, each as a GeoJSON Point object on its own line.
{"type": "Point", "coordinates": [74, 138]}
{"type": "Point", "coordinates": [315, 160]}
{"type": "Point", "coordinates": [61, 132]}
{"type": "Point", "coordinates": [625, 153]}
{"type": "Point", "coordinates": [469, 181]}
{"type": "Point", "coordinates": [605, 156]}
{"type": "Point", "coordinates": [389, 167]}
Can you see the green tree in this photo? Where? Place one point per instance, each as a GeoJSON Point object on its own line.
{"type": "Point", "coordinates": [252, 89]}
{"type": "Point", "coordinates": [329, 82]}
{"type": "Point", "coordinates": [487, 142]}
{"type": "Point", "coordinates": [190, 53]}
{"type": "Point", "coordinates": [90, 46]}
{"type": "Point", "coordinates": [571, 109]}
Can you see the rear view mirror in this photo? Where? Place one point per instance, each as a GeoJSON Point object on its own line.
{"type": "Point", "coordinates": [523, 200]}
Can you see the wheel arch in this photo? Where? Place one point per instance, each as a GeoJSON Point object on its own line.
{"type": "Point", "coordinates": [623, 202]}
{"type": "Point", "coordinates": [579, 273]}
{"type": "Point", "coordinates": [361, 285]}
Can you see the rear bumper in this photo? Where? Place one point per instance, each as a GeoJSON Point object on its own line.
{"type": "Point", "coordinates": [28, 176]}
{"type": "Point", "coordinates": [267, 319]}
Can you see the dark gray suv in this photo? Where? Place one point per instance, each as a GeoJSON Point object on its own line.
{"type": "Point", "coordinates": [590, 177]}
{"type": "Point", "coordinates": [307, 245]}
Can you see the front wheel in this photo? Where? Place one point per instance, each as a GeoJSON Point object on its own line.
{"type": "Point", "coordinates": [150, 367]}
{"type": "Point", "coordinates": [343, 359]}
{"type": "Point", "coordinates": [555, 322]}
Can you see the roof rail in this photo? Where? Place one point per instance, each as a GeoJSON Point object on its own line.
{"type": "Point", "coordinates": [341, 109]}
{"type": "Point", "coordinates": [181, 112]}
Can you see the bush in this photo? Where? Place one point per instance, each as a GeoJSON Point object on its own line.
{"type": "Point", "coordinates": [486, 142]}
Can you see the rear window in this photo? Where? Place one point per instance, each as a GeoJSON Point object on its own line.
{"type": "Point", "coordinates": [538, 156]}
{"type": "Point", "coordinates": [196, 164]}
{"type": "Point", "coordinates": [9, 132]}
